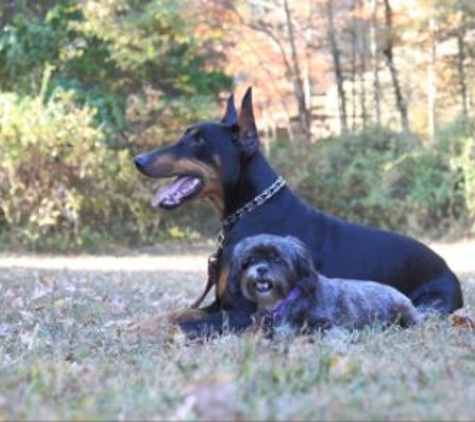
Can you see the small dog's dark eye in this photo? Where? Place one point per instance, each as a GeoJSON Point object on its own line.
{"type": "Point", "coordinates": [247, 262]}
{"type": "Point", "coordinates": [277, 259]}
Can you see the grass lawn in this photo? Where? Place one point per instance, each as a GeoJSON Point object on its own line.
{"type": "Point", "coordinates": [62, 355]}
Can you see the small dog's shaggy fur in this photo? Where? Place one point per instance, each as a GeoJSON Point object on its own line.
{"type": "Point", "coordinates": [278, 274]}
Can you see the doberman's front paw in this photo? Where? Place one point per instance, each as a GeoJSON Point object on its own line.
{"type": "Point", "coordinates": [153, 329]}
{"type": "Point", "coordinates": [162, 327]}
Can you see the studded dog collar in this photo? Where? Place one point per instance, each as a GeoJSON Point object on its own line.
{"type": "Point", "coordinates": [248, 207]}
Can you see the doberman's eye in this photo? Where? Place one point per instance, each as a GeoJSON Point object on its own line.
{"type": "Point", "coordinates": [194, 136]}
{"type": "Point", "coordinates": [198, 139]}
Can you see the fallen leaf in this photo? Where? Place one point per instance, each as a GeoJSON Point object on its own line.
{"type": "Point", "coordinates": [63, 303]}
{"type": "Point", "coordinates": [28, 337]}
{"type": "Point", "coordinates": [17, 303]}
{"type": "Point", "coordinates": [117, 303]}
{"type": "Point", "coordinates": [210, 399]}
{"type": "Point", "coordinates": [9, 294]}
{"type": "Point", "coordinates": [463, 318]}
{"type": "Point", "coordinates": [85, 372]}
{"type": "Point", "coordinates": [42, 288]}
{"type": "Point", "coordinates": [67, 323]}
{"type": "Point", "coordinates": [119, 323]}
{"type": "Point", "coordinates": [3, 402]}
{"type": "Point", "coordinates": [5, 330]}
{"type": "Point", "coordinates": [27, 315]}
{"type": "Point", "coordinates": [340, 367]}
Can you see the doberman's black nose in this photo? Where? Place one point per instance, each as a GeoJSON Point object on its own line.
{"type": "Point", "coordinates": [140, 161]}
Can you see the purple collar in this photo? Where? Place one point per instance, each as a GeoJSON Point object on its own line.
{"type": "Point", "coordinates": [279, 313]}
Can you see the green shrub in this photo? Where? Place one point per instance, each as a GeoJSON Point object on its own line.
{"type": "Point", "coordinates": [64, 186]}
{"type": "Point", "coordinates": [380, 178]}
{"type": "Point", "coordinates": [49, 152]}
{"type": "Point", "coordinates": [458, 143]}
{"type": "Point", "coordinates": [61, 185]}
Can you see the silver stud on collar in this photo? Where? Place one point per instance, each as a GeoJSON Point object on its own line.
{"type": "Point", "coordinates": [248, 207]}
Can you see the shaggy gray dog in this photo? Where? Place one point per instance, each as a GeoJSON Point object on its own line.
{"type": "Point", "coordinates": [278, 274]}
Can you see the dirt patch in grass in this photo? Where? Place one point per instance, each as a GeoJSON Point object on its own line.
{"type": "Point", "coordinates": [62, 355]}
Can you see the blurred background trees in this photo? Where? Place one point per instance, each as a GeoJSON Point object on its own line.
{"type": "Point", "coordinates": [373, 99]}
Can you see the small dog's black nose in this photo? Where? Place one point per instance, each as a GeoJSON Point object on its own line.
{"type": "Point", "coordinates": [140, 161]}
{"type": "Point", "coordinates": [261, 270]}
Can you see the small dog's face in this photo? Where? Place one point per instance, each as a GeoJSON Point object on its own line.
{"type": "Point", "coordinates": [267, 267]}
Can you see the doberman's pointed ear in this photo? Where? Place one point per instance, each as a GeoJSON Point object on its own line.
{"type": "Point", "coordinates": [248, 139]}
{"type": "Point", "coordinates": [230, 115]}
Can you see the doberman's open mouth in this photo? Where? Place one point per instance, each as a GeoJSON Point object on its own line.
{"type": "Point", "coordinates": [174, 194]}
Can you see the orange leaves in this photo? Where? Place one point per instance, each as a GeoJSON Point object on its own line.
{"type": "Point", "coordinates": [463, 318]}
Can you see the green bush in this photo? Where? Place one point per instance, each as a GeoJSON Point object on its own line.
{"type": "Point", "coordinates": [458, 143]}
{"type": "Point", "coordinates": [63, 185]}
{"type": "Point", "coordinates": [382, 178]}
{"type": "Point", "coordinates": [49, 152]}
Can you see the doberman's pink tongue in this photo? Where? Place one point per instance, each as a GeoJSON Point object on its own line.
{"type": "Point", "coordinates": [173, 194]}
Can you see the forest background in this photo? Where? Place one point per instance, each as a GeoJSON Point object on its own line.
{"type": "Point", "coordinates": [364, 106]}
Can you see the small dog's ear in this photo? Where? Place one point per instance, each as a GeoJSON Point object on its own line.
{"type": "Point", "coordinates": [301, 257]}
{"type": "Point", "coordinates": [237, 252]}
{"type": "Point", "coordinates": [230, 115]}
{"type": "Point", "coordinates": [248, 138]}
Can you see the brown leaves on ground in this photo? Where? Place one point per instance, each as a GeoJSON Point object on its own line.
{"type": "Point", "coordinates": [463, 318]}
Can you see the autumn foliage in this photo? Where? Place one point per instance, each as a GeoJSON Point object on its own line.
{"type": "Point", "coordinates": [365, 106]}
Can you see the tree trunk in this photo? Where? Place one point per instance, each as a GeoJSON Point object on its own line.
{"type": "Point", "coordinates": [388, 54]}
{"type": "Point", "coordinates": [374, 55]}
{"type": "Point", "coordinates": [353, 72]}
{"type": "Point", "coordinates": [303, 107]}
{"type": "Point", "coordinates": [362, 55]}
{"type": "Point", "coordinates": [337, 67]}
{"type": "Point", "coordinates": [461, 55]}
{"type": "Point", "coordinates": [432, 83]}
{"type": "Point", "coordinates": [282, 36]}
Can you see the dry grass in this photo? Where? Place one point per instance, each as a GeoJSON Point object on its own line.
{"type": "Point", "coordinates": [61, 356]}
